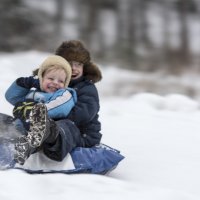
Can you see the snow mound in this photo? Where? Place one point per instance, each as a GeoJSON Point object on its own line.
{"type": "Point", "coordinates": [172, 102]}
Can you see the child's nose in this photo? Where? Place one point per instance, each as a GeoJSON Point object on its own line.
{"type": "Point", "coordinates": [55, 81]}
{"type": "Point", "coordinates": [73, 65]}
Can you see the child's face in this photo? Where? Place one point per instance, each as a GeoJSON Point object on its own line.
{"type": "Point", "coordinates": [77, 69]}
{"type": "Point", "coordinates": [53, 80]}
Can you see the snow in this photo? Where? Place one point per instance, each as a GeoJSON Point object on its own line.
{"type": "Point", "coordinates": [158, 134]}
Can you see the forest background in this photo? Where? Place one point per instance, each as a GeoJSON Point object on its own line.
{"type": "Point", "coordinates": [146, 36]}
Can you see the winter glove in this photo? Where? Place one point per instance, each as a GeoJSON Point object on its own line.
{"type": "Point", "coordinates": [22, 110]}
{"type": "Point", "coordinates": [28, 82]}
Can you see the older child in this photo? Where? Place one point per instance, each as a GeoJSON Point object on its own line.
{"type": "Point", "coordinates": [54, 76]}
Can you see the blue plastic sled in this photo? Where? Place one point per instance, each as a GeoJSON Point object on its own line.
{"type": "Point", "coordinates": [96, 160]}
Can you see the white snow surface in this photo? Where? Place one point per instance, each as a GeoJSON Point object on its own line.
{"type": "Point", "coordinates": [158, 135]}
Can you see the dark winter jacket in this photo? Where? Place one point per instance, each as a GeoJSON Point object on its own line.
{"type": "Point", "coordinates": [85, 113]}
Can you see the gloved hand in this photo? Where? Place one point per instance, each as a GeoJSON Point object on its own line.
{"type": "Point", "coordinates": [28, 82]}
{"type": "Point", "coordinates": [22, 110]}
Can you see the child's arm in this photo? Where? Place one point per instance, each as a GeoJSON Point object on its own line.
{"type": "Point", "coordinates": [20, 88]}
{"type": "Point", "coordinates": [59, 103]}
{"type": "Point", "coordinates": [16, 93]}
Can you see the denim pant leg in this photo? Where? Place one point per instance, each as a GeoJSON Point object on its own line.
{"type": "Point", "coordinates": [20, 126]}
{"type": "Point", "coordinates": [68, 138]}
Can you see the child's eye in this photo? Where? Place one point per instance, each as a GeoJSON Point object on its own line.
{"type": "Point", "coordinates": [50, 78]}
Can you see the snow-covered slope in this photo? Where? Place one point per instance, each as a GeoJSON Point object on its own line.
{"type": "Point", "coordinates": [158, 135]}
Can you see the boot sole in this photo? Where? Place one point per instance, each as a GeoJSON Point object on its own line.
{"type": "Point", "coordinates": [22, 150]}
{"type": "Point", "coordinates": [38, 118]}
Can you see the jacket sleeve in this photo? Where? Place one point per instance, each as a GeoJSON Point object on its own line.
{"type": "Point", "coordinates": [16, 93]}
{"type": "Point", "coordinates": [61, 102]}
{"type": "Point", "coordinates": [87, 105]}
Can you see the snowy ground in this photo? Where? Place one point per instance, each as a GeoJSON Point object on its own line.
{"type": "Point", "coordinates": [158, 135]}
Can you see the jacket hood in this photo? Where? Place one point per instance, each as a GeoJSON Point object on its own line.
{"type": "Point", "coordinates": [52, 61]}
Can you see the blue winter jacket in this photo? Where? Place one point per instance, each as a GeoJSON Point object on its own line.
{"type": "Point", "coordinates": [59, 103]}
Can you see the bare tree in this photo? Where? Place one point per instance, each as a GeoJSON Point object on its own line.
{"type": "Point", "coordinates": [58, 19]}
{"type": "Point", "coordinates": [184, 32]}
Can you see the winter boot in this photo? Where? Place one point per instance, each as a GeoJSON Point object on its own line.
{"type": "Point", "coordinates": [38, 132]}
{"type": "Point", "coordinates": [22, 150]}
{"type": "Point", "coordinates": [39, 125]}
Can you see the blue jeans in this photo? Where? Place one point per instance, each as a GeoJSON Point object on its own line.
{"type": "Point", "coordinates": [20, 126]}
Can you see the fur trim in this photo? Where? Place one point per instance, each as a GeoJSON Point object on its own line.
{"type": "Point", "coordinates": [74, 50]}
{"type": "Point", "coordinates": [92, 72]}
{"type": "Point", "coordinates": [55, 60]}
